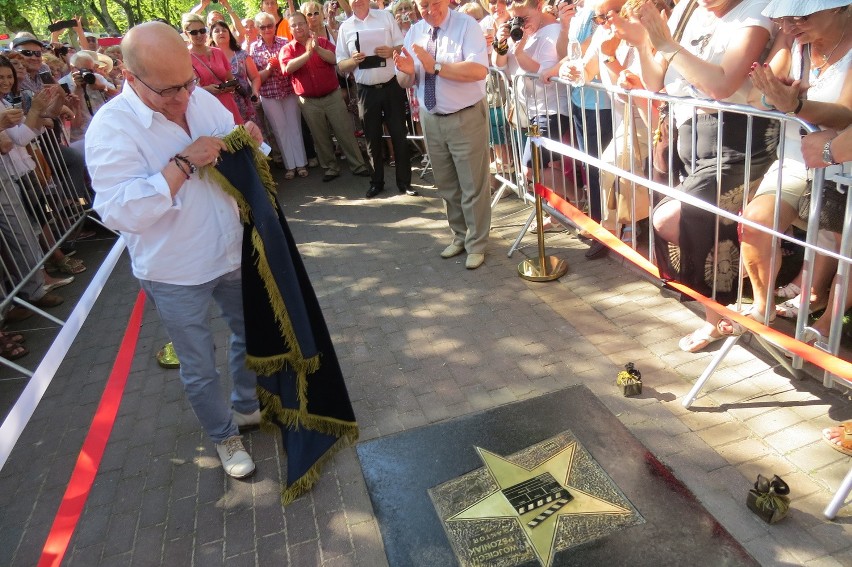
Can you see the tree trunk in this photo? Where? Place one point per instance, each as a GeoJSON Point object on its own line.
{"type": "Point", "coordinates": [132, 17]}
{"type": "Point", "coordinates": [103, 17]}
{"type": "Point", "coordinates": [112, 28]}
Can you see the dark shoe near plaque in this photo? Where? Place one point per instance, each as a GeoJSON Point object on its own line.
{"type": "Point", "coordinates": [407, 190]}
{"type": "Point", "coordinates": [769, 499]}
{"type": "Point", "coordinates": [373, 191]}
{"type": "Point", "coordinates": [330, 176]}
{"type": "Point", "coordinates": [597, 250]}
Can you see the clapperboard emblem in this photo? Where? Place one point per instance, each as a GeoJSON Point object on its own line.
{"type": "Point", "coordinates": [536, 493]}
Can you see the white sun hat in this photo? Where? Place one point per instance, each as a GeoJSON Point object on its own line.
{"type": "Point", "coordinates": [782, 8]}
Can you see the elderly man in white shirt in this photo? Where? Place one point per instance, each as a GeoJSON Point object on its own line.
{"type": "Point", "coordinates": [184, 235]}
{"type": "Point", "coordinates": [446, 56]}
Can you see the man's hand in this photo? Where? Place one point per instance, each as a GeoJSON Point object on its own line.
{"type": "Point", "coordinates": [404, 62]}
{"type": "Point", "coordinates": [11, 117]}
{"type": "Point", "coordinates": [384, 51]}
{"type": "Point", "coordinates": [358, 57]}
{"type": "Point", "coordinates": [204, 151]}
{"type": "Point", "coordinates": [425, 58]}
{"type": "Point", "coordinates": [311, 44]}
{"type": "Point", "coordinates": [812, 146]}
{"type": "Point", "coordinates": [254, 131]}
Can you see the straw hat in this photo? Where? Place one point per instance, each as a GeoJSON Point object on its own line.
{"type": "Point", "coordinates": [781, 8]}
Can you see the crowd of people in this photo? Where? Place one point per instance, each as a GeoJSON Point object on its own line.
{"type": "Point", "coordinates": [317, 78]}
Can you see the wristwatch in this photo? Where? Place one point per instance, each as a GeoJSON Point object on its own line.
{"type": "Point", "coordinates": [609, 59]}
{"type": "Point", "coordinates": [826, 154]}
{"type": "Point", "coordinates": [798, 108]}
{"type": "Point", "coordinates": [437, 69]}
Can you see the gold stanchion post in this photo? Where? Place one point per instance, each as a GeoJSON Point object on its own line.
{"type": "Point", "coordinates": [544, 268]}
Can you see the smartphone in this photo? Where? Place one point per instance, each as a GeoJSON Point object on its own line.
{"type": "Point", "coordinates": [65, 88]}
{"type": "Point", "coordinates": [62, 25]}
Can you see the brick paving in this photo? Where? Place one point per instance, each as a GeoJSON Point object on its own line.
{"type": "Point", "coordinates": [420, 340]}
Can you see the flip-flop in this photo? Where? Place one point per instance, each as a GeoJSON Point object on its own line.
{"type": "Point", "coordinates": [843, 441]}
{"type": "Point", "coordinates": [698, 340]}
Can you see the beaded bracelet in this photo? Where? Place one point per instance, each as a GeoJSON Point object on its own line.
{"type": "Point", "coordinates": [180, 167]}
{"type": "Point", "coordinates": [191, 166]}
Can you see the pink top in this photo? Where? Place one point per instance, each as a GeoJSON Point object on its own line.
{"type": "Point", "coordinates": [214, 70]}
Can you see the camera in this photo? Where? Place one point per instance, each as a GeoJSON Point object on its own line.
{"type": "Point", "coordinates": [87, 77]}
{"type": "Point", "coordinates": [16, 101]}
{"type": "Point", "coordinates": [516, 28]}
{"type": "Point", "coordinates": [228, 84]}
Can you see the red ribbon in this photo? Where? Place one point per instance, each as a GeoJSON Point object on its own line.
{"type": "Point", "coordinates": [89, 459]}
{"type": "Point", "coordinates": [813, 355]}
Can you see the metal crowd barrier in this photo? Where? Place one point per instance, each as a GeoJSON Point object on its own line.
{"type": "Point", "coordinates": [642, 103]}
{"type": "Point", "coordinates": [40, 208]}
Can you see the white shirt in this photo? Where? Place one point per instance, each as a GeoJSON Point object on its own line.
{"type": "Point", "coordinates": [541, 99]}
{"type": "Point", "coordinates": [190, 239]}
{"type": "Point", "coordinates": [345, 46]}
{"type": "Point", "coordinates": [17, 162]}
{"type": "Point", "coordinates": [708, 38]}
{"type": "Point", "coordinates": [97, 99]}
{"type": "Point", "coordinates": [459, 39]}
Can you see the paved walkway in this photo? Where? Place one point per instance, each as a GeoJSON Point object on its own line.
{"type": "Point", "coordinates": [420, 340]}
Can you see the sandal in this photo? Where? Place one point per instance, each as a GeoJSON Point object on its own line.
{"type": "Point", "coordinates": [16, 338]}
{"type": "Point", "coordinates": [699, 339]}
{"type": "Point", "coordinates": [790, 308]}
{"type": "Point", "coordinates": [68, 266]}
{"type": "Point", "coordinates": [48, 287]}
{"type": "Point", "coordinates": [788, 291]}
{"type": "Point", "coordinates": [813, 337]}
{"type": "Point", "coordinates": [839, 437]}
{"type": "Point", "coordinates": [12, 350]}
{"type": "Point", "coordinates": [734, 329]}
{"type": "Point", "coordinates": [302, 171]}
{"type": "Point", "coordinates": [290, 174]}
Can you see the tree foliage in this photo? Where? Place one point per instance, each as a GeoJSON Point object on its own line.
{"type": "Point", "coordinates": [101, 16]}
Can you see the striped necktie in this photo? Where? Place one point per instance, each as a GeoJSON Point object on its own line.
{"type": "Point", "coordinates": [429, 85]}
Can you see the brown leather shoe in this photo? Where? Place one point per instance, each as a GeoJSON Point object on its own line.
{"type": "Point", "coordinates": [17, 313]}
{"type": "Point", "coordinates": [48, 300]}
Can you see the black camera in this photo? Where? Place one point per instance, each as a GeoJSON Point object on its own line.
{"type": "Point", "coordinates": [87, 77]}
{"type": "Point", "coordinates": [15, 101]}
{"type": "Point", "coordinates": [516, 28]}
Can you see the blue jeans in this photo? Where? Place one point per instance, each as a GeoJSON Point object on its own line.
{"type": "Point", "coordinates": [184, 311]}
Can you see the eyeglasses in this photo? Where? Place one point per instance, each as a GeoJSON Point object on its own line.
{"type": "Point", "coordinates": [193, 33]}
{"type": "Point", "coordinates": [601, 19]}
{"type": "Point", "coordinates": [265, 27]}
{"type": "Point", "coordinates": [29, 53]}
{"type": "Point", "coordinates": [312, 14]}
{"type": "Point", "coordinates": [171, 92]}
{"type": "Point", "coordinates": [789, 20]}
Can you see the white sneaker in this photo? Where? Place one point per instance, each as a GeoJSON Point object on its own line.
{"type": "Point", "coordinates": [246, 420]}
{"type": "Point", "coordinates": [235, 459]}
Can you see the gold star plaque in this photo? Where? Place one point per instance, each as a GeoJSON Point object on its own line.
{"type": "Point", "coordinates": [531, 505]}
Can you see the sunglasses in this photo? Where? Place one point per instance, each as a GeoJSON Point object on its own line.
{"type": "Point", "coordinates": [312, 14]}
{"type": "Point", "coordinates": [29, 53]}
{"type": "Point", "coordinates": [601, 19]}
{"type": "Point", "coordinates": [494, 2]}
{"type": "Point", "coordinates": [193, 33]}
{"type": "Point", "coordinates": [789, 20]}
{"type": "Point", "coordinates": [266, 27]}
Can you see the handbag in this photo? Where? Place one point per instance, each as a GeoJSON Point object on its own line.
{"type": "Point", "coordinates": [619, 191]}
{"type": "Point", "coordinates": [833, 206]}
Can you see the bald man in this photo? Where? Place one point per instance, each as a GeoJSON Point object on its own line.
{"type": "Point", "coordinates": [183, 233]}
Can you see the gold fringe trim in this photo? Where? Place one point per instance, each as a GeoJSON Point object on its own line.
{"type": "Point", "coordinates": [310, 478]}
